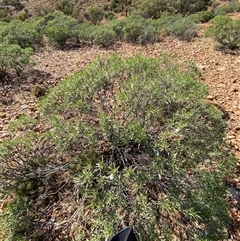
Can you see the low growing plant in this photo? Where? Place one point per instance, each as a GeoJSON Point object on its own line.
{"type": "Point", "coordinates": [202, 17]}
{"type": "Point", "coordinates": [139, 30]}
{"type": "Point", "coordinates": [65, 6]}
{"type": "Point", "coordinates": [230, 7]}
{"type": "Point", "coordinates": [225, 31]}
{"type": "Point", "coordinates": [180, 27]}
{"type": "Point", "coordinates": [61, 29]}
{"type": "Point", "coordinates": [13, 59]}
{"type": "Point", "coordinates": [129, 142]}
{"type": "Point", "coordinates": [25, 34]}
{"type": "Point", "coordinates": [104, 36]}
{"type": "Point", "coordinates": [95, 14]}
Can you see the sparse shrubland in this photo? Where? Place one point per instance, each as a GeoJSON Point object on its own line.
{"type": "Point", "coordinates": [129, 142]}
{"type": "Point", "coordinates": [126, 141]}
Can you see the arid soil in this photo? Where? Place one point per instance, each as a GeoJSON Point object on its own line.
{"type": "Point", "coordinates": [220, 73]}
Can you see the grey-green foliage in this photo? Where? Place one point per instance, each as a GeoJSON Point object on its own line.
{"type": "Point", "coordinates": [95, 14]}
{"type": "Point", "coordinates": [65, 6]}
{"type": "Point", "coordinates": [129, 142]}
{"type": "Point", "coordinates": [61, 28]}
{"type": "Point", "coordinates": [230, 7]}
{"type": "Point", "coordinates": [140, 30]}
{"type": "Point", "coordinates": [85, 32]}
{"type": "Point", "coordinates": [156, 8]}
{"type": "Point", "coordinates": [13, 59]}
{"type": "Point", "coordinates": [186, 7]}
{"type": "Point", "coordinates": [133, 29]}
{"type": "Point", "coordinates": [225, 31]}
{"type": "Point", "coordinates": [25, 34]}
{"type": "Point", "coordinates": [152, 9]}
{"type": "Point", "coordinates": [117, 26]}
{"type": "Point", "coordinates": [202, 16]}
{"type": "Point", "coordinates": [3, 26]}
{"type": "Point", "coordinates": [149, 149]}
{"type": "Point", "coordinates": [181, 27]}
{"type": "Point", "coordinates": [103, 35]}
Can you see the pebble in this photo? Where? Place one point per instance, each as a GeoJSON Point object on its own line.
{"type": "Point", "coordinates": [2, 115]}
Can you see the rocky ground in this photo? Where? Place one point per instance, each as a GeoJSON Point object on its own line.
{"type": "Point", "coordinates": [220, 73]}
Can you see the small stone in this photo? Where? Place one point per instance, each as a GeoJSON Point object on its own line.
{"type": "Point", "coordinates": [24, 107]}
{"type": "Point", "coordinates": [210, 97]}
{"type": "Point", "coordinates": [2, 115]}
{"type": "Point", "coordinates": [231, 137]}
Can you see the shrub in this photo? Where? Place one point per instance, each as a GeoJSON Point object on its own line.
{"type": "Point", "coordinates": [13, 59]}
{"type": "Point", "coordinates": [95, 14]}
{"type": "Point", "coordinates": [3, 26]}
{"type": "Point", "coordinates": [225, 31]}
{"type": "Point", "coordinates": [181, 28]}
{"type": "Point", "coordinates": [201, 17]}
{"type": "Point", "coordinates": [109, 15]}
{"type": "Point", "coordinates": [86, 32]}
{"type": "Point", "coordinates": [117, 25]}
{"type": "Point", "coordinates": [104, 36]}
{"type": "Point", "coordinates": [61, 29]}
{"type": "Point", "coordinates": [231, 7]}
{"type": "Point", "coordinates": [139, 30]}
{"type": "Point", "coordinates": [186, 7]}
{"type": "Point", "coordinates": [25, 34]}
{"type": "Point", "coordinates": [65, 6]}
{"type": "Point", "coordinates": [39, 91]}
{"type": "Point", "coordinates": [155, 9]}
{"type": "Point", "coordinates": [23, 123]}
{"type": "Point", "coordinates": [3, 13]}
{"type": "Point", "coordinates": [151, 9]}
{"type": "Point", "coordinates": [129, 142]}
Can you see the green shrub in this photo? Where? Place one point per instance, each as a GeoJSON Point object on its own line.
{"type": "Point", "coordinates": [13, 59]}
{"type": "Point", "coordinates": [61, 29]}
{"type": "Point", "coordinates": [151, 9]}
{"type": "Point", "coordinates": [181, 28]}
{"type": "Point", "coordinates": [24, 15]}
{"type": "Point", "coordinates": [85, 32]}
{"type": "Point", "coordinates": [23, 123]}
{"type": "Point", "coordinates": [3, 13]}
{"type": "Point", "coordinates": [25, 34]}
{"type": "Point", "coordinates": [109, 15]}
{"type": "Point", "coordinates": [39, 91]}
{"type": "Point", "coordinates": [186, 7]}
{"type": "Point", "coordinates": [202, 17]}
{"type": "Point", "coordinates": [225, 31]}
{"type": "Point", "coordinates": [139, 30]}
{"type": "Point", "coordinates": [129, 142]}
{"type": "Point", "coordinates": [65, 6]}
{"type": "Point", "coordinates": [156, 8]}
{"type": "Point", "coordinates": [95, 14]}
{"type": "Point", "coordinates": [117, 26]}
{"type": "Point", "coordinates": [3, 26]}
{"type": "Point", "coordinates": [231, 7]}
{"type": "Point", "coordinates": [104, 36]}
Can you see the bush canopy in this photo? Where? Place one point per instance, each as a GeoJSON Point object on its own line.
{"type": "Point", "coordinates": [128, 142]}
